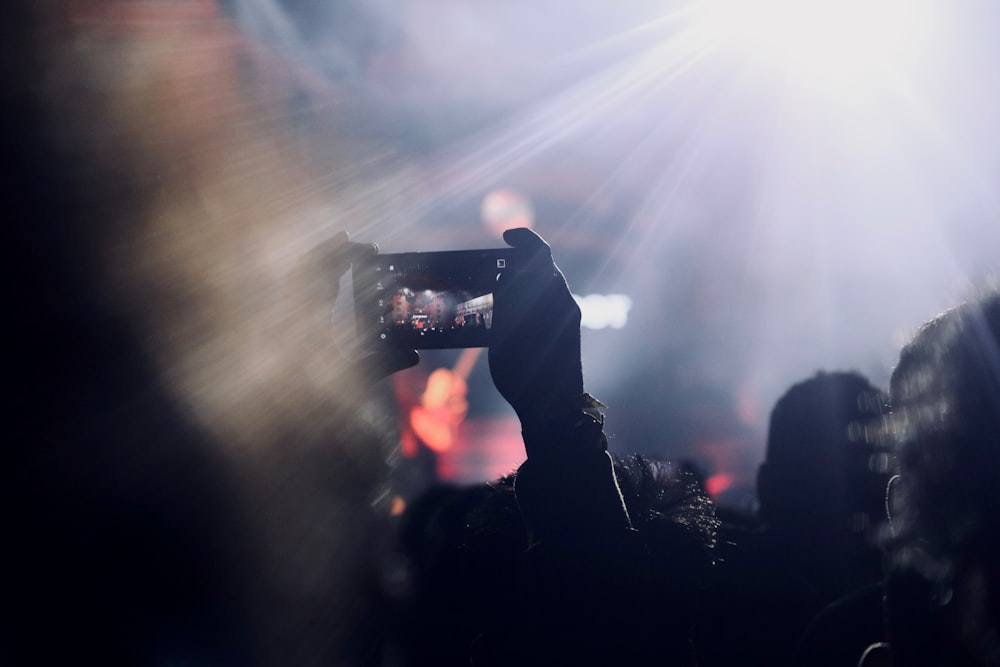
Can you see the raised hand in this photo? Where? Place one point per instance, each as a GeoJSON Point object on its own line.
{"type": "Point", "coordinates": [316, 286]}
{"type": "Point", "coordinates": [535, 346]}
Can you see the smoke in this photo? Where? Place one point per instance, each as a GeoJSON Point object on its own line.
{"type": "Point", "coordinates": [201, 171]}
{"type": "Point", "coordinates": [761, 228]}
{"type": "Point", "coordinates": [773, 199]}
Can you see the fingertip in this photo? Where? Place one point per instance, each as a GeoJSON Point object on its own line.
{"type": "Point", "coordinates": [361, 250]}
{"type": "Point", "coordinates": [338, 244]}
{"type": "Point", "coordinates": [522, 237]}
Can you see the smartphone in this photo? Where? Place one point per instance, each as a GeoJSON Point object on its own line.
{"type": "Point", "coordinates": [430, 300]}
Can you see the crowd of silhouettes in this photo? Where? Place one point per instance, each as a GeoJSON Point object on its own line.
{"type": "Point", "coordinates": [874, 542]}
{"type": "Point", "coordinates": [129, 539]}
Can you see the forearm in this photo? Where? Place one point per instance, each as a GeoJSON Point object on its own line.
{"type": "Point", "coordinates": [586, 567]}
{"type": "Point", "coordinates": [566, 489]}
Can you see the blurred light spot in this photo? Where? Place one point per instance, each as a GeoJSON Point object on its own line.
{"type": "Point", "coordinates": [506, 209]}
{"type": "Point", "coordinates": [439, 389]}
{"type": "Point", "coordinates": [717, 484]}
{"type": "Point", "coordinates": [485, 449]}
{"type": "Point", "coordinates": [600, 311]}
{"type": "Point", "coordinates": [397, 506]}
{"type": "Point", "coordinates": [442, 408]}
{"type": "Point", "coordinates": [432, 429]}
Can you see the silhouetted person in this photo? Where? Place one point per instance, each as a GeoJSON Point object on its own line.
{"type": "Point", "coordinates": [133, 534]}
{"type": "Point", "coordinates": [466, 549]}
{"type": "Point", "coordinates": [821, 490]}
{"type": "Point", "coordinates": [943, 599]}
{"type": "Point", "coordinates": [821, 487]}
{"type": "Point", "coordinates": [122, 540]}
{"type": "Point", "coordinates": [573, 559]}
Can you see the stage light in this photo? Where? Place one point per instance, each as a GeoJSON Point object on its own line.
{"type": "Point", "coordinates": [506, 209]}
{"type": "Point", "coordinates": [600, 311]}
{"type": "Point", "coordinates": [842, 47]}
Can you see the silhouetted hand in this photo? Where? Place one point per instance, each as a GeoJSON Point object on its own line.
{"type": "Point", "coordinates": [535, 346]}
{"type": "Point", "coordinates": [566, 489]}
{"type": "Point", "coordinates": [316, 282]}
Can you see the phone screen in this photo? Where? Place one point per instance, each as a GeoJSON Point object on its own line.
{"type": "Point", "coordinates": [430, 300]}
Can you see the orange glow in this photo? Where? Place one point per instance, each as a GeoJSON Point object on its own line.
{"type": "Point", "coordinates": [446, 389]}
{"type": "Point", "coordinates": [486, 448]}
{"type": "Point", "coordinates": [506, 209]}
{"type": "Point", "coordinates": [408, 443]}
{"type": "Point", "coordinates": [716, 484]}
{"type": "Point", "coordinates": [442, 408]}
{"type": "Point", "coordinates": [434, 428]}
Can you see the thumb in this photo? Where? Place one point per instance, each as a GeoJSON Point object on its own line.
{"type": "Point", "coordinates": [522, 237]}
{"type": "Point", "coordinates": [538, 260]}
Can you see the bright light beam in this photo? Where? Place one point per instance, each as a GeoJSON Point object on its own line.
{"type": "Point", "coordinates": [846, 48]}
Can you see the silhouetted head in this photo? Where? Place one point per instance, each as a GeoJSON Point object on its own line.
{"type": "Point", "coordinates": [944, 601]}
{"type": "Point", "coordinates": [946, 417]}
{"type": "Point", "coordinates": [821, 472]}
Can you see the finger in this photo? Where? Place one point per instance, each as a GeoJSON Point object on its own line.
{"type": "Point", "coordinates": [327, 257]}
{"type": "Point", "coordinates": [359, 251]}
{"type": "Point", "coordinates": [340, 247]}
{"type": "Point", "coordinates": [333, 246]}
{"type": "Point", "coordinates": [522, 237]}
{"type": "Point", "coordinates": [538, 255]}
